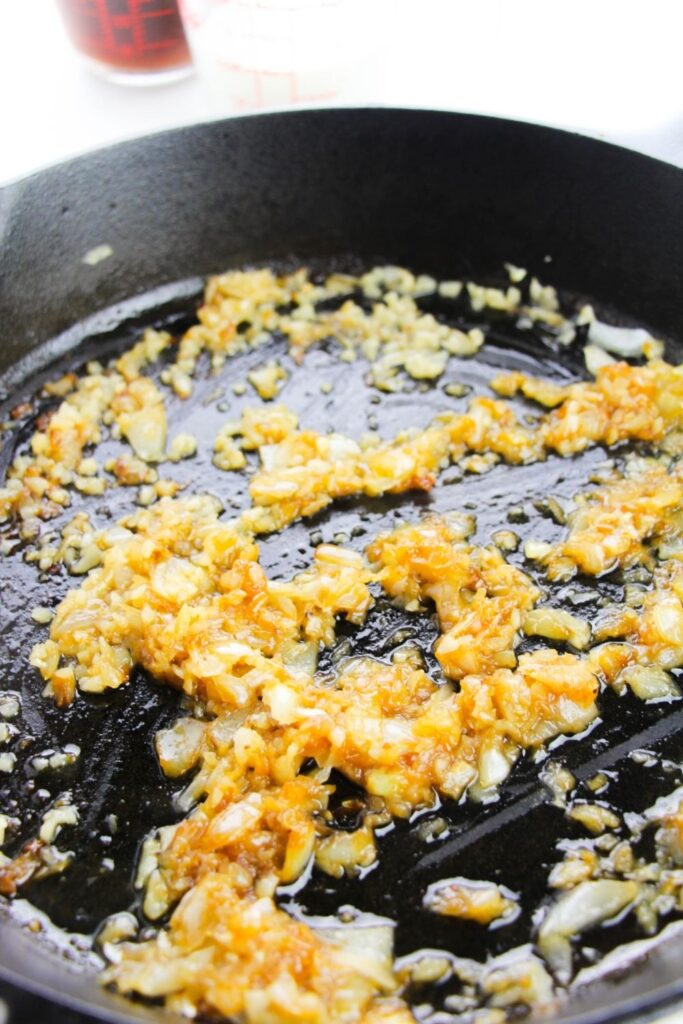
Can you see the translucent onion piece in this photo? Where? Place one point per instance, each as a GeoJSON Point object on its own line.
{"type": "Point", "coordinates": [589, 904]}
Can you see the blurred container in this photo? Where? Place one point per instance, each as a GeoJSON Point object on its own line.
{"type": "Point", "coordinates": [273, 53]}
{"type": "Point", "coordinates": [136, 42]}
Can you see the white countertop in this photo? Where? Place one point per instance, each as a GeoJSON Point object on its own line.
{"type": "Point", "coordinates": [608, 68]}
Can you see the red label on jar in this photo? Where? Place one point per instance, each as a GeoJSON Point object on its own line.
{"type": "Point", "coordinates": [133, 35]}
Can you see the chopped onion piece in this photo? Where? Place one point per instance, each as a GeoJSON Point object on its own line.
{"type": "Point", "coordinates": [301, 656]}
{"type": "Point", "coordinates": [594, 817]}
{"type": "Point", "coordinates": [179, 747]}
{"type": "Point", "coordinates": [517, 978]}
{"type": "Point", "coordinates": [589, 904]}
{"type": "Point", "coordinates": [116, 928]}
{"type": "Point", "coordinates": [559, 781]}
{"type": "Point", "coordinates": [346, 852]}
{"type": "Point", "coordinates": [628, 342]}
{"type": "Point", "coordinates": [482, 902]}
{"type": "Point", "coordinates": [55, 819]}
{"type": "Point", "coordinates": [494, 766]}
{"type": "Point", "coordinates": [555, 624]}
{"type": "Point", "coordinates": [649, 682]}
{"type": "Point", "coordinates": [595, 358]}
{"type": "Point", "coordinates": [368, 942]}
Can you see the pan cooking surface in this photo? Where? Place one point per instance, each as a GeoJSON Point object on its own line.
{"type": "Point", "coordinates": [512, 840]}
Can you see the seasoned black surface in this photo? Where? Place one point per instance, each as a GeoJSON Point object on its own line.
{"type": "Point", "coordinates": [117, 771]}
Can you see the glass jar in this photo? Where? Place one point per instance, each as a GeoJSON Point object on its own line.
{"type": "Point", "coordinates": [138, 42]}
{"type": "Point", "coordinates": [258, 54]}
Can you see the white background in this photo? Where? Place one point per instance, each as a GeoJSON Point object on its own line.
{"type": "Point", "coordinates": [610, 68]}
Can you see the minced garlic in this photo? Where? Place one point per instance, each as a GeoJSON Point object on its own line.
{"type": "Point", "coordinates": [180, 591]}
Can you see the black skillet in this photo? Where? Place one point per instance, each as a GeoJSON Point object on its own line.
{"type": "Point", "coordinates": [447, 194]}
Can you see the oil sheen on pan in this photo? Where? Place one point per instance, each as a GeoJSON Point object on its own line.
{"type": "Point", "coordinates": [338, 612]}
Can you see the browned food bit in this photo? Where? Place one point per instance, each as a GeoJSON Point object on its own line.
{"type": "Point", "coordinates": [139, 412]}
{"type": "Point", "coordinates": [623, 403]}
{"type": "Point", "coordinates": [38, 859]}
{"type": "Point", "coordinates": [36, 484]}
{"type": "Point", "coordinates": [183, 595]}
{"type": "Point", "coordinates": [469, 900]}
{"type": "Point", "coordinates": [24, 866]}
{"type": "Point", "coordinates": [480, 599]}
{"type": "Point", "coordinates": [611, 524]}
{"type": "Point", "coordinates": [206, 960]}
{"type": "Point", "coordinates": [544, 392]}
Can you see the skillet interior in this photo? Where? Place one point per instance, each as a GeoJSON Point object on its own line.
{"type": "Point", "coordinates": [470, 193]}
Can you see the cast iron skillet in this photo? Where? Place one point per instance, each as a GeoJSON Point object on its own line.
{"type": "Point", "coordinates": [448, 194]}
